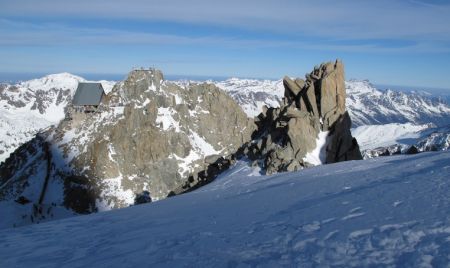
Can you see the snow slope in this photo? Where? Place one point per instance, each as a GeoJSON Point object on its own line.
{"type": "Point", "coordinates": [379, 140]}
{"type": "Point", "coordinates": [390, 211]}
{"type": "Point", "coordinates": [374, 136]}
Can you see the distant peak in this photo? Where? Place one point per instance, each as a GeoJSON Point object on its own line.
{"type": "Point", "coordinates": [59, 80]}
{"type": "Point", "coordinates": [63, 75]}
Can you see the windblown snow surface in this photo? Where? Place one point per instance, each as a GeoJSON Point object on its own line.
{"type": "Point", "coordinates": [389, 211]}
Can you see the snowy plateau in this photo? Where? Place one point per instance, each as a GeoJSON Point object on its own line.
{"type": "Point", "coordinates": [385, 211]}
{"type": "Point", "coordinates": [382, 212]}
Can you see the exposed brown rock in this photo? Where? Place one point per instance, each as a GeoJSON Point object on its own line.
{"type": "Point", "coordinates": [291, 88]}
{"type": "Point", "coordinates": [342, 146]}
{"type": "Point", "coordinates": [309, 107]}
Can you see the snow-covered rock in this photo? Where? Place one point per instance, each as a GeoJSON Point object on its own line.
{"type": "Point", "coordinates": [383, 212]}
{"type": "Point", "coordinates": [437, 140]}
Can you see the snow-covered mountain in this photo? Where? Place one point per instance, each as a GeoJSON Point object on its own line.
{"type": "Point", "coordinates": [384, 212]}
{"type": "Point", "coordinates": [366, 104]}
{"type": "Point", "coordinates": [29, 106]}
{"type": "Point", "coordinates": [252, 94]}
{"type": "Point", "coordinates": [370, 106]}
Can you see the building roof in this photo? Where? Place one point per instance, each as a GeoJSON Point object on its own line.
{"type": "Point", "coordinates": [88, 94]}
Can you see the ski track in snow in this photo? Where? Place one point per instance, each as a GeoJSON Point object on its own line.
{"type": "Point", "coordinates": [390, 211]}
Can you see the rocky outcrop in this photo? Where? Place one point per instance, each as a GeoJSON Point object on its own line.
{"type": "Point", "coordinates": [310, 127]}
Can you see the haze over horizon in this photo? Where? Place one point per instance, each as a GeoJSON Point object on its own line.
{"type": "Point", "coordinates": [400, 42]}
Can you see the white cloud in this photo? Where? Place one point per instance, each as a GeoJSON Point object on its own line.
{"type": "Point", "coordinates": [345, 19]}
{"type": "Point", "coordinates": [25, 34]}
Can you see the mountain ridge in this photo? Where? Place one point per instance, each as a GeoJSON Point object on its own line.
{"type": "Point", "coordinates": [250, 94]}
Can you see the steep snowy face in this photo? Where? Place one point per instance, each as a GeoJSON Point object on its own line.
{"type": "Point", "coordinates": [29, 106]}
{"type": "Point", "coordinates": [148, 135]}
{"type": "Point", "coordinates": [369, 106]}
{"type": "Point", "coordinates": [385, 212]}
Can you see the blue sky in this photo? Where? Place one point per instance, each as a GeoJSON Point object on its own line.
{"type": "Point", "coordinates": [398, 42]}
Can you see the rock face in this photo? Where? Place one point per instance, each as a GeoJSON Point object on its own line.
{"type": "Point", "coordinates": [310, 127]}
{"type": "Point", "coordinates": [150, 135]}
